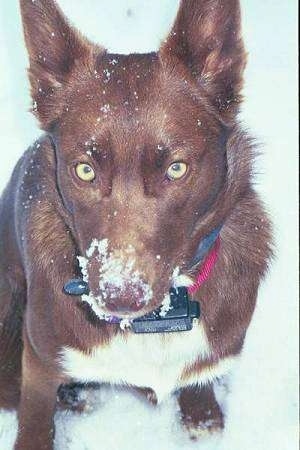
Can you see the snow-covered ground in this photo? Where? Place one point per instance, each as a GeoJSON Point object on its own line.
{"type": "Point", "coordinates": [262, 409]}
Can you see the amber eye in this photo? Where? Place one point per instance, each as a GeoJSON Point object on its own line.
{"type": "Point", "coordinates": [85, 172]}
{"type": "Point", "coordinates": [176, 170]}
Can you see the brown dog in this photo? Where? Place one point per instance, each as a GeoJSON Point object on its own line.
{"type": "Point", "coordinates": [141, 159]}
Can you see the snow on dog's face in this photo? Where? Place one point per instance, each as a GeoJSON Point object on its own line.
{"type": "Point", "coordinates": [140, 144]}
{"type": "Point", "coordinates": [118, 287]}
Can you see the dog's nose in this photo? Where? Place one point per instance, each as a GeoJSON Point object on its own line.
{"type": "Point", "coordinates": [127, 298]}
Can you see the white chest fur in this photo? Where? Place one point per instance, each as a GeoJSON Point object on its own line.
{"type": "Point", "coordinates": [155, 361]}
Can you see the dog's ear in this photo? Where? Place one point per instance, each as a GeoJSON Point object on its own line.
{"type": "Point", "coordinates": [55, 50]}
{"type": "Point", "coordinates": [206, 37]}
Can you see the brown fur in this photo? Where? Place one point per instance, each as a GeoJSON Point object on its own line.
{"type": "Point", "coordinates": [200, 412]}
{"type": "Point", "coordinates": [178, 104]}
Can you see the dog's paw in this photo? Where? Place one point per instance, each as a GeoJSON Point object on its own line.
{"type": "Point", "coordinates": [202, 428]}
{"type": "Point", "coordinates": [148, 394]}
{"type": "Point", "coordinates": [78, 397]}
{"type": "Point", "coordinates": [200, 412]}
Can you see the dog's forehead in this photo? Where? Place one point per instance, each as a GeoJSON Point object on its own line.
{"type": "Point", "coordinates": [122, 81]}
{"type": "Point", "coordinates": [132, 98]}
{"type": "Point", "coordinates": [132, 70]}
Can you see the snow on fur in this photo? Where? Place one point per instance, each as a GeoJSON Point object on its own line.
{"type": "Point", "coordinates": [116, 272]}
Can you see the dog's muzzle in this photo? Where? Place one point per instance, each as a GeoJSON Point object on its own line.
{"type": "Point", "coordinates": [181, 311]}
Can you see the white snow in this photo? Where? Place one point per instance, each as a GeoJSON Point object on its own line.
{"type": "Point", "coordinates": [105, 108]}
{"type": "Point", "coordinates": [166, 305]}
{"type": "Point", "coordinates": [124, 324]}
{"type": "Point", "coordinates": [178, 279]}
{"type": "Point", "coordinates": [262, 407]}
{"type": "Point", "coordinates": [107, 75]}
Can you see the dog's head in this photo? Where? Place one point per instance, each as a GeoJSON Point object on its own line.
{"type": "Point", "coordinates": [140, 143]}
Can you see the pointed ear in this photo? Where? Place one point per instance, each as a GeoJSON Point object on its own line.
{"type": "Point", "coordinates": [55, 50]}
{"type": "Point", "coordinates": [206, 37]}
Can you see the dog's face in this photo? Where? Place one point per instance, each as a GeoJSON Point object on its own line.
{"type": "Point", "coordinates": [140, 143]}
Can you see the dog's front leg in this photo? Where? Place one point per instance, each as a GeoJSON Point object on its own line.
{"type": "Point", "coordinates": [40, 383]}
{"type": "Point", "coordinates": [200, 411]}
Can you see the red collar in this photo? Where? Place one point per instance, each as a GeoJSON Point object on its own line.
{"type": "Point", "coordinates": [206, 267]}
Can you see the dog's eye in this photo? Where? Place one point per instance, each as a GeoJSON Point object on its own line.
{"type": "Point", "coordinates": [176, 170]}
{"type": "Point", "coordinates": [85, 172]}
